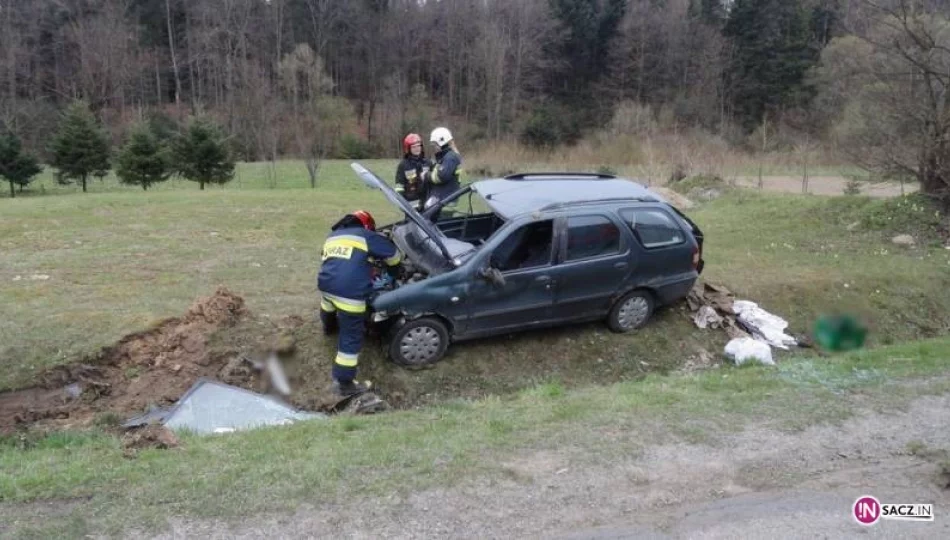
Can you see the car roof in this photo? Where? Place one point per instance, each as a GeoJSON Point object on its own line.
{"type": "Point", "coordinates": [526, 193]}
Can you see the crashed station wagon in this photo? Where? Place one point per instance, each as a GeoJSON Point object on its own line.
{"type": "Point", "coordinates": [531, 251]}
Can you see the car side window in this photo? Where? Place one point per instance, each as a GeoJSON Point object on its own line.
{"type": "Point", "coordinates": [653, 227]}
{"type": "Point", "coordinates": [528, 247]}
{"type": "Point", "coordinates": [591, 236]}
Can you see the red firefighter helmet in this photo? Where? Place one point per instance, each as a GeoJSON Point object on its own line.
{"type": "Point", "coordinates": [410, 140]}
{"type": "Point", "coordinates": [366, 219]}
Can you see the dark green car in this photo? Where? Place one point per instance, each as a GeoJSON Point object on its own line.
{"type": "Point", "coordinates": [531, 251]}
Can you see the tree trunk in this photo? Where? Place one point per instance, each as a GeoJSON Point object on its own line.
{"type": "Point", "coordinates": [312, 165]}
{"type": "Point", "coordinates": [202, 182]}
{"type": "Point", "coordinates": [144, 186]}
{"type": "Point", "coordinates": [369, 123]}
{"type": "Point", "coordinates": [12, 192]}
{"type": "Point", "coordinates": [171, 48]}
{"type": "Point", "coordinates": [84, 183]}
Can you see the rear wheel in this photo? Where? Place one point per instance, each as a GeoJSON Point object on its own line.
{"type": "Point", "coordinates": [419, 342]}
{"type": "Point", "coordinates": [631, 312]}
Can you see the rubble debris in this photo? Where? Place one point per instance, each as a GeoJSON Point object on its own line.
{"type": "Point", "coordinates": [150, 436]}
{"type": "Point", "coordinates": [743, 350]}
{"type": "Point", "coordinates": [720, 300]}
{"type": "Point", "coordinates": [764, 325]}
{"type": "Point", "coordinates": [904, 240]}
{"type": "Point", "coordinates": [716, 296]}
{"type": "Point", "coordinates": [715, 306]}
{"type": "Point", "coordinates": [707, 317]}
{"type": "Point", "coordinates": [364, 403]}
{"type": "Point", "coordinates": [140, 370]}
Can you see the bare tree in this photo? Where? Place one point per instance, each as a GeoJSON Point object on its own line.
{"type": "Point", "coordinates": [890, 86]}
{"type": "Point", "coordinates": [302, 76]}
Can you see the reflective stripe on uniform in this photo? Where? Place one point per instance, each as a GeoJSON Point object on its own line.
{"type": "Point", "coordinates": [347, 360]}
{"type": "Point", "coordinates": [341, 247]}
{"type": "Point", "coordinates": [327, 305]}
{"type": "Point", "coordinates": [348, 305]}
{"type": "Point", "coordinates": [350, 240]}
{"type": "Point", "coordinates": [394, 260]}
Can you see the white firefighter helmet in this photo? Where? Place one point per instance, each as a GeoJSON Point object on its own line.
{"type": "Point", "coordinates": [441, 136]}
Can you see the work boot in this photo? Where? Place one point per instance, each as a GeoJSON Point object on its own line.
{"type": "Point", "coordinates": [349, 388]}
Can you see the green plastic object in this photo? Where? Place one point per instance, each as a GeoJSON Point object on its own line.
{"type": "Point", "coordinates": [840, 333]}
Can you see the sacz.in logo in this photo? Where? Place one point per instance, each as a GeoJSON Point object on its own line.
{"type": "Point", "coordinates": [868, 510]}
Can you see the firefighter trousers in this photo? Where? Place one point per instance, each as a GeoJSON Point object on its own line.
{"type": "Point", "coordinates": [347, 316]}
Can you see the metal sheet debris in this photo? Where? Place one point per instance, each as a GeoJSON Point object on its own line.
{"type": "Point", "coordinates": [213, 407]}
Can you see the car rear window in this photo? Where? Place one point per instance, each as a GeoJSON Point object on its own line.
{"type": "Point", "coordinates": [653, 227]}
{"type": "Point", "coordinates": [591, 236]}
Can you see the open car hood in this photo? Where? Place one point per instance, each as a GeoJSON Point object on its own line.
{"type": "Point", "coordinates": [402, 204]}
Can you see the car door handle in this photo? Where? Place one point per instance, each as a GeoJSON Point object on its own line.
{"type": "Point", "coordinates": [543, 279]}
{"type": "Point", "coordinates": [620, 265]}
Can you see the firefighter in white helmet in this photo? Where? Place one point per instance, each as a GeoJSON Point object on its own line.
{"type": "Point", "coordinates": [445, 177]}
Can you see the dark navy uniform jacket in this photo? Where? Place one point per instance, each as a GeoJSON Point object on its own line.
{"type": "Point", "coordinates": [347, 269]}
{"type": "Point", "coordinates": [409, 177]}
{"type": "Point", "coordinates": [447, 173]}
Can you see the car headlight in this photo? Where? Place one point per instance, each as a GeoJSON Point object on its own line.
{"type": "Point", "coordinates": [380, 316]}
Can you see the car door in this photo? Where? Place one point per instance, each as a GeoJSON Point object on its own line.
{"type": "Point", "coordinates": [594, 264]}
{"type": "Point", "coordinates": [525, 259]}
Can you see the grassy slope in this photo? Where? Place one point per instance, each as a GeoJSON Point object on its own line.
{"type": "Point", "coordinates": [92, 488]}
{"type": "Point", "coordinates": [792, 254]}
{"type": "Point", "coordinates": [122, 259]}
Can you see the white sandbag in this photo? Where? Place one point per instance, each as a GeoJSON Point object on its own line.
{"type": "Point", "coordinates": [770, 328]}
{"type": "Point", "coordinates": [742, 350]}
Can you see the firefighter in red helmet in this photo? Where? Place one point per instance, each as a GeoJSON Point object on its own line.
{"type": "Point", "coordinates": [345, 283]}
{"type": "Point", "coordinates": [413, 172]}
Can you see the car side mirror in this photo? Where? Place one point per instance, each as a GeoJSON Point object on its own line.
{"type": "Point", "coordinates": [493, 276]}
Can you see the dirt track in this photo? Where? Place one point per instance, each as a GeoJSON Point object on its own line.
{"type": "Point", "coordinates": [822, 185]}
{"type": "Point", "coordinates": [760, 483]}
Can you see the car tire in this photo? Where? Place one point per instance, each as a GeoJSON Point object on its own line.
{"type": "Point", "coordinates": [419, 342]}
{"type": "Point", "coordinates": [631, 312]}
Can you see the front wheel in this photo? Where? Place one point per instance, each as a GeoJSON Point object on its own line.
{"type": "Point", "coordinates": [631, 312]}
{"type": "Point", "coordinates": [419, 342]}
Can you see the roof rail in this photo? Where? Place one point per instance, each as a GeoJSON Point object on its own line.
{"type": "Point", "coordinates": [560, 176]}
{"type": "Point", "coordinates": [554, 206]}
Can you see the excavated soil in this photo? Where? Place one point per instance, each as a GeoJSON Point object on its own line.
{"type": "Point", "coordinates": [154, 367]}
{"type": "Point", "coordinates": [219, 338]}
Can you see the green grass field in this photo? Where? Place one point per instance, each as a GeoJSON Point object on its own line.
{"type": "Point", "coordinates": [92, 489]}
{"type": "Point", "coordinates": [119, 259]}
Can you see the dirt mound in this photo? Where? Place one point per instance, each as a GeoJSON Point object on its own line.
{"type": "Point", "coordinates": [154, 367]}
{"type": "Point", "coordinates": [152, 436]}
